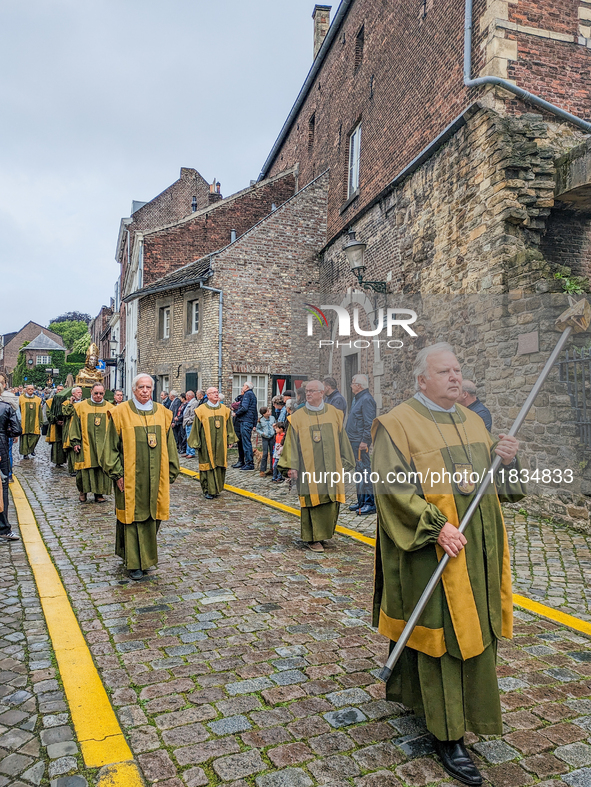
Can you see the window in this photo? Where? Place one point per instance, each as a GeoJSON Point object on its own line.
{"type": "Point", "coordinates": [164, 327]}
{"type": "Point", "coordinates": [193, 317]}
{"type": "Point", "coordinates": [259, 386]}
{"type": "Point", "coordinates": [164, 383]}
{"type": "Point", "coordinates": [354, 149]}
{"type": "Point", "coordinates": [311, 130]}
{"type": "Point", "coordinates": [43, 360]}
{"type": "Point", "coordinates": [359, 42]}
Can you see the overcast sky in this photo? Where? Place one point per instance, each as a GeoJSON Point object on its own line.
{"type": "Point", "coordinates": [103, 101]}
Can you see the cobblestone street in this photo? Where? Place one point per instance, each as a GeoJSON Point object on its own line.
{"type": "Point", "coordinates": [247, 659]}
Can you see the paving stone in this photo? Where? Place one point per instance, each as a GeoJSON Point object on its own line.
{"type": "Point", "coordinates": [144, 738]}
{"type": "Point", "coordinates": [414, 746]}
{"type": "Point", "coordinates": [380, 755]}
{"type": "Point", "coordinates": [69, 781]}
{"type": "Point", "coordinates": [229, 725]}
{"type": "Point", "coordinates": [289, 677]}
{"type": "Point", "coordinates": [248, 686]}
{"type": "Point", "coordinates": [528, 742]}
{"type": "Point", "coordinates": [270, 736]}
{"type": "Point", "coordinates": [344, 717]}
{"type": "Point", "coordinates": [14, 739]}
{"type": "Point", "coordinates": [35, 773]}
{"type": "Point", "coordinates": [579, 778]}
{"type": "Point", "coordinates": [289, 777]}
{"type": "Point", "coordinates": [56, 750]}
{"type": "Point", "coordinates": [241, 704]}
{"type": "Point", "coordinates": [420, 772]}
{"type": "Point", "coordinates": [290, 652]}
{"type": "Point", "coordinates": [14, 764]}
{"type": "Point", "coordinates": [269, 718]}
{"type": "Point", "coordinates": [544, 765]}
{"type": "Point", "coordinates": [331, 743]}
{"type": "Point", "coordinates": [509, 775]}
{"type": "Point", "coordinates": [282, 694]}
{"type": "Point", "coordinates": [370, 733]}
{"type": "Point", "coordinates": [56, 735]}
{"type": "Point", "coordinates": [185, 735]}
{"type": "Point", "coordinates": [334, 768]}
{"type": "Point", "coordinates": [62, 765]}
{"type": "Point", "coordinates": [575, 754]}
{"type": "Point", "coordinates": [289, 754]}
{"type": "Point", "coordinates": [377, 779]}
{"type": "Point", "coordinates": [192, 755]}
{"type": "Point", "coordinates": [564, 733]}
{"type": "Point", "coordinates": [496, 751]}
{"type": "Point", "coordinates": [157, 765]}
{"type": "Point", "coordinates": [348, 697]}
{"type": "Point", "coordinates": [379, 709]}
{"type": "Point", "coordinates": [510, 684]}
{"type": "Point", "coordinates": [195, 777]}
{"type": "Point", "coordinates": [237, 766]}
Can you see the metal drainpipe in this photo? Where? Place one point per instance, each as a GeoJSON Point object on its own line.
{"type": "Point", "coordinates": [221, 302]}
{"type": "Point", "coordinates": [504, 83]}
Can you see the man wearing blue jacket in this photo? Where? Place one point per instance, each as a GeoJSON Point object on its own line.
{"type": "Point", "coordinates": [244, 421]}
{"type": "Point", "coordinates": [361, 417]}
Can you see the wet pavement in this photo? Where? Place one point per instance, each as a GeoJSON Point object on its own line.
{"type": "Point", "coordinates": [245, 659]}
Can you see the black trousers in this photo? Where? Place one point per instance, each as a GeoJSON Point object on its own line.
{"type": "Point", "coordinates": [5, 468]}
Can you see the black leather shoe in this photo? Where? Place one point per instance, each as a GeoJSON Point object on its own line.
{"type": "Point", "coordinates": [137, 573]}
{"type": "Point", "coordinates": [238, 465]}
{"type": "Point", "coordinates": [366, 509]}
{"type": "Point", "coordinates": [207, 496]}
{"type": "Point", "coordinates": [355, 507]}
{"type": "Point", "coordinates": [457, 762]}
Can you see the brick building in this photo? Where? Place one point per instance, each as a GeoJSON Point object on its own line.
{"type": "Point", "coordinates": [12, 342]}
{"type": "Point", "coordinates": [258, 274]}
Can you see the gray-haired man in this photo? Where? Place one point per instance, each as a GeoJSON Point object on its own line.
{"type": "Point", "coordinates": [361, 417]}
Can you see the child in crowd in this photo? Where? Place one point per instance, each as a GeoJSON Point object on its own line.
{"type": "Point", "coordinates": [277, 451]}
{"type": "Point", "coordinates": [265, 429]}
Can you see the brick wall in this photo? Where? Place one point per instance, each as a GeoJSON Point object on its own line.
{"type": "Point", "coordinates": [260, 274]}
{"type": "Point", "coordinates": [409, 85]}
{"type": "Point", "coordinates": [173, 203]}
{"type": "Point", "coordinates": [30, 331]}
{"type": "Point", "coordinates": [210, 229]}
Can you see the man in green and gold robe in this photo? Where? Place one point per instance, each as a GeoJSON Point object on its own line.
{"type": "Point", "coordinates": [140, 455]}
{"type": "Point", "coordinates": [211, 435]}
{"type": "Point", "coordinates": [68, 411]}
{"type": "Point", "coordinates": [429, 454]}
{"type": "Point", "coordinates": [30, 407]}
{"type": "Point", "coordinates": [55, 419]}
{"type": "Point", "coordinates": [316, 452]}
{"type": "Point", "coordinates": [88, 429]}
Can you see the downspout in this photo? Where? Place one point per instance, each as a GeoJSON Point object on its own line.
{"type": "Point", "coordinates": [221, 303]}
{"type": "Point", "coordinates": [504, 83]}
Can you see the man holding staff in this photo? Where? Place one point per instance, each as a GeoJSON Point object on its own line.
{"type": "Point", "coordinates": [429, 452]}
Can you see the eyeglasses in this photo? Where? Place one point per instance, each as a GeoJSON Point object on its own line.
{"type": "Point", "coordinates": [314, 390]}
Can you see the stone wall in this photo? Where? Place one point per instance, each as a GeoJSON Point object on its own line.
{"type": "Point", "coordinates": [473, 239]}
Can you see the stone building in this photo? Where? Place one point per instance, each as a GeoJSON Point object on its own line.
{"type": "Point", "coordinates": [12, 342]}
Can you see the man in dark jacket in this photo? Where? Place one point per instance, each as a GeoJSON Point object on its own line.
{"type": "Point", "coordinates": [245, 418]}
{"type": "Point", "coordinates": [361, 417]}
{"type": "Point", "coordinates": [333, 396]}
{"type": "Point", "coordinates": [469, 399]}
{"type": "Point", "coordinates": [9, 428]}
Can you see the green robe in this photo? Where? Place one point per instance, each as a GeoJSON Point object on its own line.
{"type": "Point", "coordinates": [211, 434]}
{"type": "Point", "coordinates": [68, 412]}
{"type": "Point", "coordinates": [54, 434]}
{"type": "Point", "coordinates": [447, 672]}
{"type": "Point", "coordinates": [147, 472]}
{"type": "Point", "coordinates": [31, 422]}
{"type": "Point", "coordinates": [88, 430]}
{"type": "Point", "coordinates": [315, 444]}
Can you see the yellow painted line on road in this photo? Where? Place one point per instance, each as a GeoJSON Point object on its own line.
{"type": "Point", "coordinates": [570, 621]}
{"type": "Point", "coordinates": [553, 614]}
{"type": "Point", "coordinates": [101, 740]}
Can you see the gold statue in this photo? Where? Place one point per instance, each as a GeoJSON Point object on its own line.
{"type": "Point", "coordinates": [90, 375]}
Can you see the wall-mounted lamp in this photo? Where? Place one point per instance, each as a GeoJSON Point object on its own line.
{"type": "Point", "coordinates": [355, 251]}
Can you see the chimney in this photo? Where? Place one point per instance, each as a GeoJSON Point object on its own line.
{"type": "Point", "coordinates": [321, 17]}
{"type": "Point", "coordinates": [214, 192]}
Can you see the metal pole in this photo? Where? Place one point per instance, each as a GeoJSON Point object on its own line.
{"type": "Point", "coordinates": [386, 670]}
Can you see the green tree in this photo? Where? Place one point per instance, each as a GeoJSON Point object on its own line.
{"type": "Point", "coordinates": [82, 344]}
{"type": "Point", "coordinates": [70, 331]}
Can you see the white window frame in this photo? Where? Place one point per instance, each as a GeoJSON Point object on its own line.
{"type": "Point", "coordinates": [166, 322]}
{"type": "Point", "coordinates": [43, 360]}
{"type": "Point", "coordinates": [260, 384]}
{"type": "Point", "coordinates": [194, 306]}
{"type": "Point", "coordinates": [164, 380]}
{"type": "Point", "coordinates": [354, 156]}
